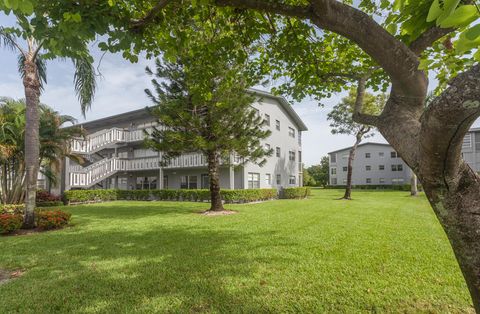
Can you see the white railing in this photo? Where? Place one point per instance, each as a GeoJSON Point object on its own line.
{"type": "Point", "coordinates": [98, 140]}
{"type": "Point", "coordinates": [93, 174]}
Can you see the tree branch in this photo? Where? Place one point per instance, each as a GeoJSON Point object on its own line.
{"type": "Point", "coordinates": [444, 125]}
{"type": "Point", "coordinates": [139, 24]}
{"type": "Point", "coordinates": [358, 116]}
{"type": "Point", "coordinates": [427, 38]}
{"type": "Point", "coordinates": [266, 6]}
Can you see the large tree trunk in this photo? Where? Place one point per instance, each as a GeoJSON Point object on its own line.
{"type": "Point", "coordinates": [31, 84]}
{"type": "Point", "coordinates": [351, 158]}
{"type": "Point", "coordinates": [458, 210]}
{"type": "Point", "coordinates": [215, 196]}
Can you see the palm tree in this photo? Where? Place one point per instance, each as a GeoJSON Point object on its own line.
{"type": "Point", "coordinates": [54, 141]}
{"type": "Point", "coordinates": [32, 69]}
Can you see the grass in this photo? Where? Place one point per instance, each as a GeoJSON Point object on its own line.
{"type": "Point", "coordinates": [381, 252]}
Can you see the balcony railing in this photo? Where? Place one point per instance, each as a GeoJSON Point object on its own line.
{"type": "Point", "coordinates": [93, 174]}
{"type": "Point", "coordinates": [99, 140]}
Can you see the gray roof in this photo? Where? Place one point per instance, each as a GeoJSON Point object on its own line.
{"type": "Point", "coordinates": [362, 144]}
{"type": "Point", "coordinates": [285, 105]}
{"type": "Point", "coordinates": [140, 113]}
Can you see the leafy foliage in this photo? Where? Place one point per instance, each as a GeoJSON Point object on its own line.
{"type": "Point", "coordinates": [54, 145]}
{"type": "Point", "coordinates": [52, 219]}
{"type": "Point", "coordinates": [297, 192]}
{"type": "Point", "coordinates": [319, 173]}
{"type": "Point", "coordinates": [340, 117]}
{"type": "Point", "coordinates": [200, 195]}
{"type": "Point", "coordinates": [10, 222]}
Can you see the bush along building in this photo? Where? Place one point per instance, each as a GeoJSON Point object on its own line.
{"type": "Point", "coordinates": [375, 164]}
{"type": "Point", "coordinates": [115, 157]}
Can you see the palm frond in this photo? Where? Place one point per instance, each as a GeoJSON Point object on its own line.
{"type": "Point", "coordinates": [85, 83]}
{"type": "Point", "coordinates": [40, 65]}
{"type": "Point", "coordinates": [8, 41]}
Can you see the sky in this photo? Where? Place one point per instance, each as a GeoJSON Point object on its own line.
{"type": "Point", "coordinates": [121, 88]}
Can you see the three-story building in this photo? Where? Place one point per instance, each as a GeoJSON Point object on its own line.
{"type": "Point", "coordinates": [374, 164]}
{"type": "Point", "coordinates": [116, 156]}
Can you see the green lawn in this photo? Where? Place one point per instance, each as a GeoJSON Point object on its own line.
{"type": "Point", "coordinates": [381, 252]}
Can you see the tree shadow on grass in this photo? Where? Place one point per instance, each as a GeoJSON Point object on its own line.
{"type": "Point", "coordinates": [163, 268]}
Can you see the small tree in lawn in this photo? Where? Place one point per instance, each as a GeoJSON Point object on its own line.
{"type": "Point", "coordinates": [342, 123]}
{"type": "Point", "coordinates": [202, 106]}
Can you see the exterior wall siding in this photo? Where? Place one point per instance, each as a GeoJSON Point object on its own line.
{"type": "Point", "coordinates": [379, 162]}
{"type": "Point", "coordinates": [287, 139]}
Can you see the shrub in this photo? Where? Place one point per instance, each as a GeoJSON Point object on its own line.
{"type": "Point", "coordinates": [49, 203]}
{"type": "Point", "coordinates": [201, 195]}
{"type": "Point", "coordinates": [45, 196]}
{"type": "Point", "coordinates": [12, 209]}
{"type": "Point", "coordinates": [52, 219]}
{"type": "Point", "coordinates": [10, 222]}
{"type": "Point", "coordinates": [297, 192]}
{"type": "Point", "coordinates": [80, 196]}
{"type": "Point", "coordinates": [395, 187]}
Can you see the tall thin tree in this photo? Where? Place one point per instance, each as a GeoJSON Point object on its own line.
{"type": "Point", "coordinates": [32, 69]}
{"type": "Point", "coordinates": [342, 123]}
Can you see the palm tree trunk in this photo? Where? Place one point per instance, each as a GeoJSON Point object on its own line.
{"type": "Point", "coordinates": [31, 84]}
{"type": "Point", "coordinates": [215, 197]}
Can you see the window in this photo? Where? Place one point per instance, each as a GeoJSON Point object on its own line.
{"type": "Point", "coordinates": [299, 156]}
{"type": "Point", "coordinates": [467, 141]}
{"type": "Point", "coordinates": [122, 183]}
{"type": "Point", "coordinates": [291, 155]}
{"type": "Point", "coordinates": [205, 181]}
{"type": "Point", "coordinates": [277, 150]}
{"type": "Point", "coordinates": [192, 182]}
{"type": "Point", "coordinates": [381, 154]}
{"type": "Point", "coordinates": [299, 138]}
{"type": "Point", "coordinates": [279, 179]}
{"type": "Point", "coordinates": [253, 180]}
{"type": "Point", "coordinates": [333, 158]}
{"type": "Point", "coordinates": [381, 180]}
{"type": "Point", "coordinates": [165, 182]}
{"type": "Point", "coordinates": [381, 167]}
{"type": "Point", "coordinates": [345, 169]}
{"type": "Point", "coordinates": [291, 180]}
{"type": "Point", "coordinates": [333, 170]}
{"type": "Point", "coordinates": [367, 155]}
{"type": "Point", "coordinates": [184, 182]}
{"type": "Point", "coordinates": [291, 132]}
{"type": "Point", "coordinates": [393, 154]}
{"type": "Point", "coordinates": [146, 183]}
{"type": "Point", "coordinates": [368, 168]}
{"type": "Point", "coordinates": [268, 179]}
{"type": "Point", "coordinates": [397, 167]}
{"type": "Point", "coordinates": [397, 181]}
{"type": "Point", "coordinates": [369, 180]}
{"type": "Point", "coordinates": [334, 181]}
{"type": "Point", "coordinates": [267, 120]}
{"type": "Point", "coordinates": [277, 124]}
{"type": "Point", "coordinates": [188, 182]}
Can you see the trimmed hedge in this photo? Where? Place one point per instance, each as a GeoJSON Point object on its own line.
{"type": "Point", "coordinates": [49, 203]}
{"type": "Point", "coordinates": [229, 196]}
{"type": "Point", "coordinates": [299, 192]}
{"type": "Point", "coordinates": [395, 187]}
{"type": "Point", "coordinates": [84, 196]}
